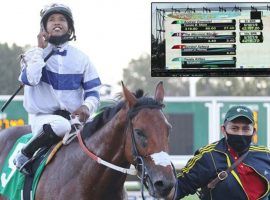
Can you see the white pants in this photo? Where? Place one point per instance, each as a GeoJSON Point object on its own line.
{"type": "Point", "coordinates": [59, 124]}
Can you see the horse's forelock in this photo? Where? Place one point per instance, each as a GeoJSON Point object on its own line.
{"type": "Point", "coordinates": [139, 93]}
{"type": "Point", "coordinates": [147, 101]}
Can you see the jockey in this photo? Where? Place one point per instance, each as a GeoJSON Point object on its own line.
{"type": "Point", "coordinates": [60, 81]}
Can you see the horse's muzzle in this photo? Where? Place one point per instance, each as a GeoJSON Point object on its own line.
{"type": "Point", "coordinates": [161, 187]}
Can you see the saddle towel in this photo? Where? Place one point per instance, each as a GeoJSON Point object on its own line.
{"type": "Point", "coordinates": [12, 181]}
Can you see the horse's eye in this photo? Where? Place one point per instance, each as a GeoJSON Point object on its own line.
{"type": "Point", "coordinates": [139, 133]}
{"type": "Point", "coordinates": [141, 137]}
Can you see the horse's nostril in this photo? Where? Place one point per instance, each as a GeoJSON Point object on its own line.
{"type": "Point", "coordinates": [163, 187]}
{"type": "Point", "coordinates": [159, 184]}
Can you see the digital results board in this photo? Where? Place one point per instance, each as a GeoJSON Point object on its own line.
{"type": "Point", "coordinates": [210, 39]}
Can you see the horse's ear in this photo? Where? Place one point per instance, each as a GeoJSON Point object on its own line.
{"type": "Point", "coordinates": [129, 97]}
{"type": "Point", "coordinates": [159, 94]}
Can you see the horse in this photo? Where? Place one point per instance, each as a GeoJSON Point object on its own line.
{"type": "Point", "coordinates": [135, 134]}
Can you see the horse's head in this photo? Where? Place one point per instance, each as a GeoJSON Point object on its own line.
{"type": "Point", "coordinates": [146, 144]}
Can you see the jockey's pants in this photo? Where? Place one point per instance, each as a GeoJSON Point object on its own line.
{"type": "Point", "coordinates": [59, 124]}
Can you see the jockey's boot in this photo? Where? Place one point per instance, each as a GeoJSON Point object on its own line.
{"type": "Point", "coordinates": [46, 138]}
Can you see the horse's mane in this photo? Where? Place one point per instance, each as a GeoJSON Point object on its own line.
{"type": "Point", "coordinates": [108, 112]}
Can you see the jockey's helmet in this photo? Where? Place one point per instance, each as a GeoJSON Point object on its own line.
{"type": "Point", "coordinates": [58, 8]}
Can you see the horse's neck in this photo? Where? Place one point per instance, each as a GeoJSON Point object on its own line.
{"type": "Point", "coordinates": [109, 141]}
{"type": "Point", "coordinates": [109, 144]}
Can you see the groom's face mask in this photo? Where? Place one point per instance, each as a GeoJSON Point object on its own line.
{"type": "Point", "coordinates": [239, 133]}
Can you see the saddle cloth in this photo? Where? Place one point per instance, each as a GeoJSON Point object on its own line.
{"type": "Point", "coordinates": [15, 185]}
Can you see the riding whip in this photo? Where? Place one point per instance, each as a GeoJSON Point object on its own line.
{"type": "Point", "coordinates": [10, 99]}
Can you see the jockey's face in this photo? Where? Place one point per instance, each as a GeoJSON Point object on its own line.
{"type": "Point", "coordinates": [57, 25]}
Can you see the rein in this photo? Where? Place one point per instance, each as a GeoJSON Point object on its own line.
{"type": "Point", "coordinates": [103, 162]}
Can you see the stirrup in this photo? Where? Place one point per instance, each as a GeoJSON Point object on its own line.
{"type": "Point", "coordinates": [24, 169]}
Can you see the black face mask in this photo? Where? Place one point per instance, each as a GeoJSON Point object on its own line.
{"type": "Point", "coordinates": [57, 40]}
{"type": "Point", "coordinates": [239, 143]}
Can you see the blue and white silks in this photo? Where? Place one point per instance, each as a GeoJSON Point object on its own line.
{"type": "Point", "coordinates": [66, 81]}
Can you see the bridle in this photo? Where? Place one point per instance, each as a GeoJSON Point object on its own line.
{"type": "Point", "coordinates": [139, 160]}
